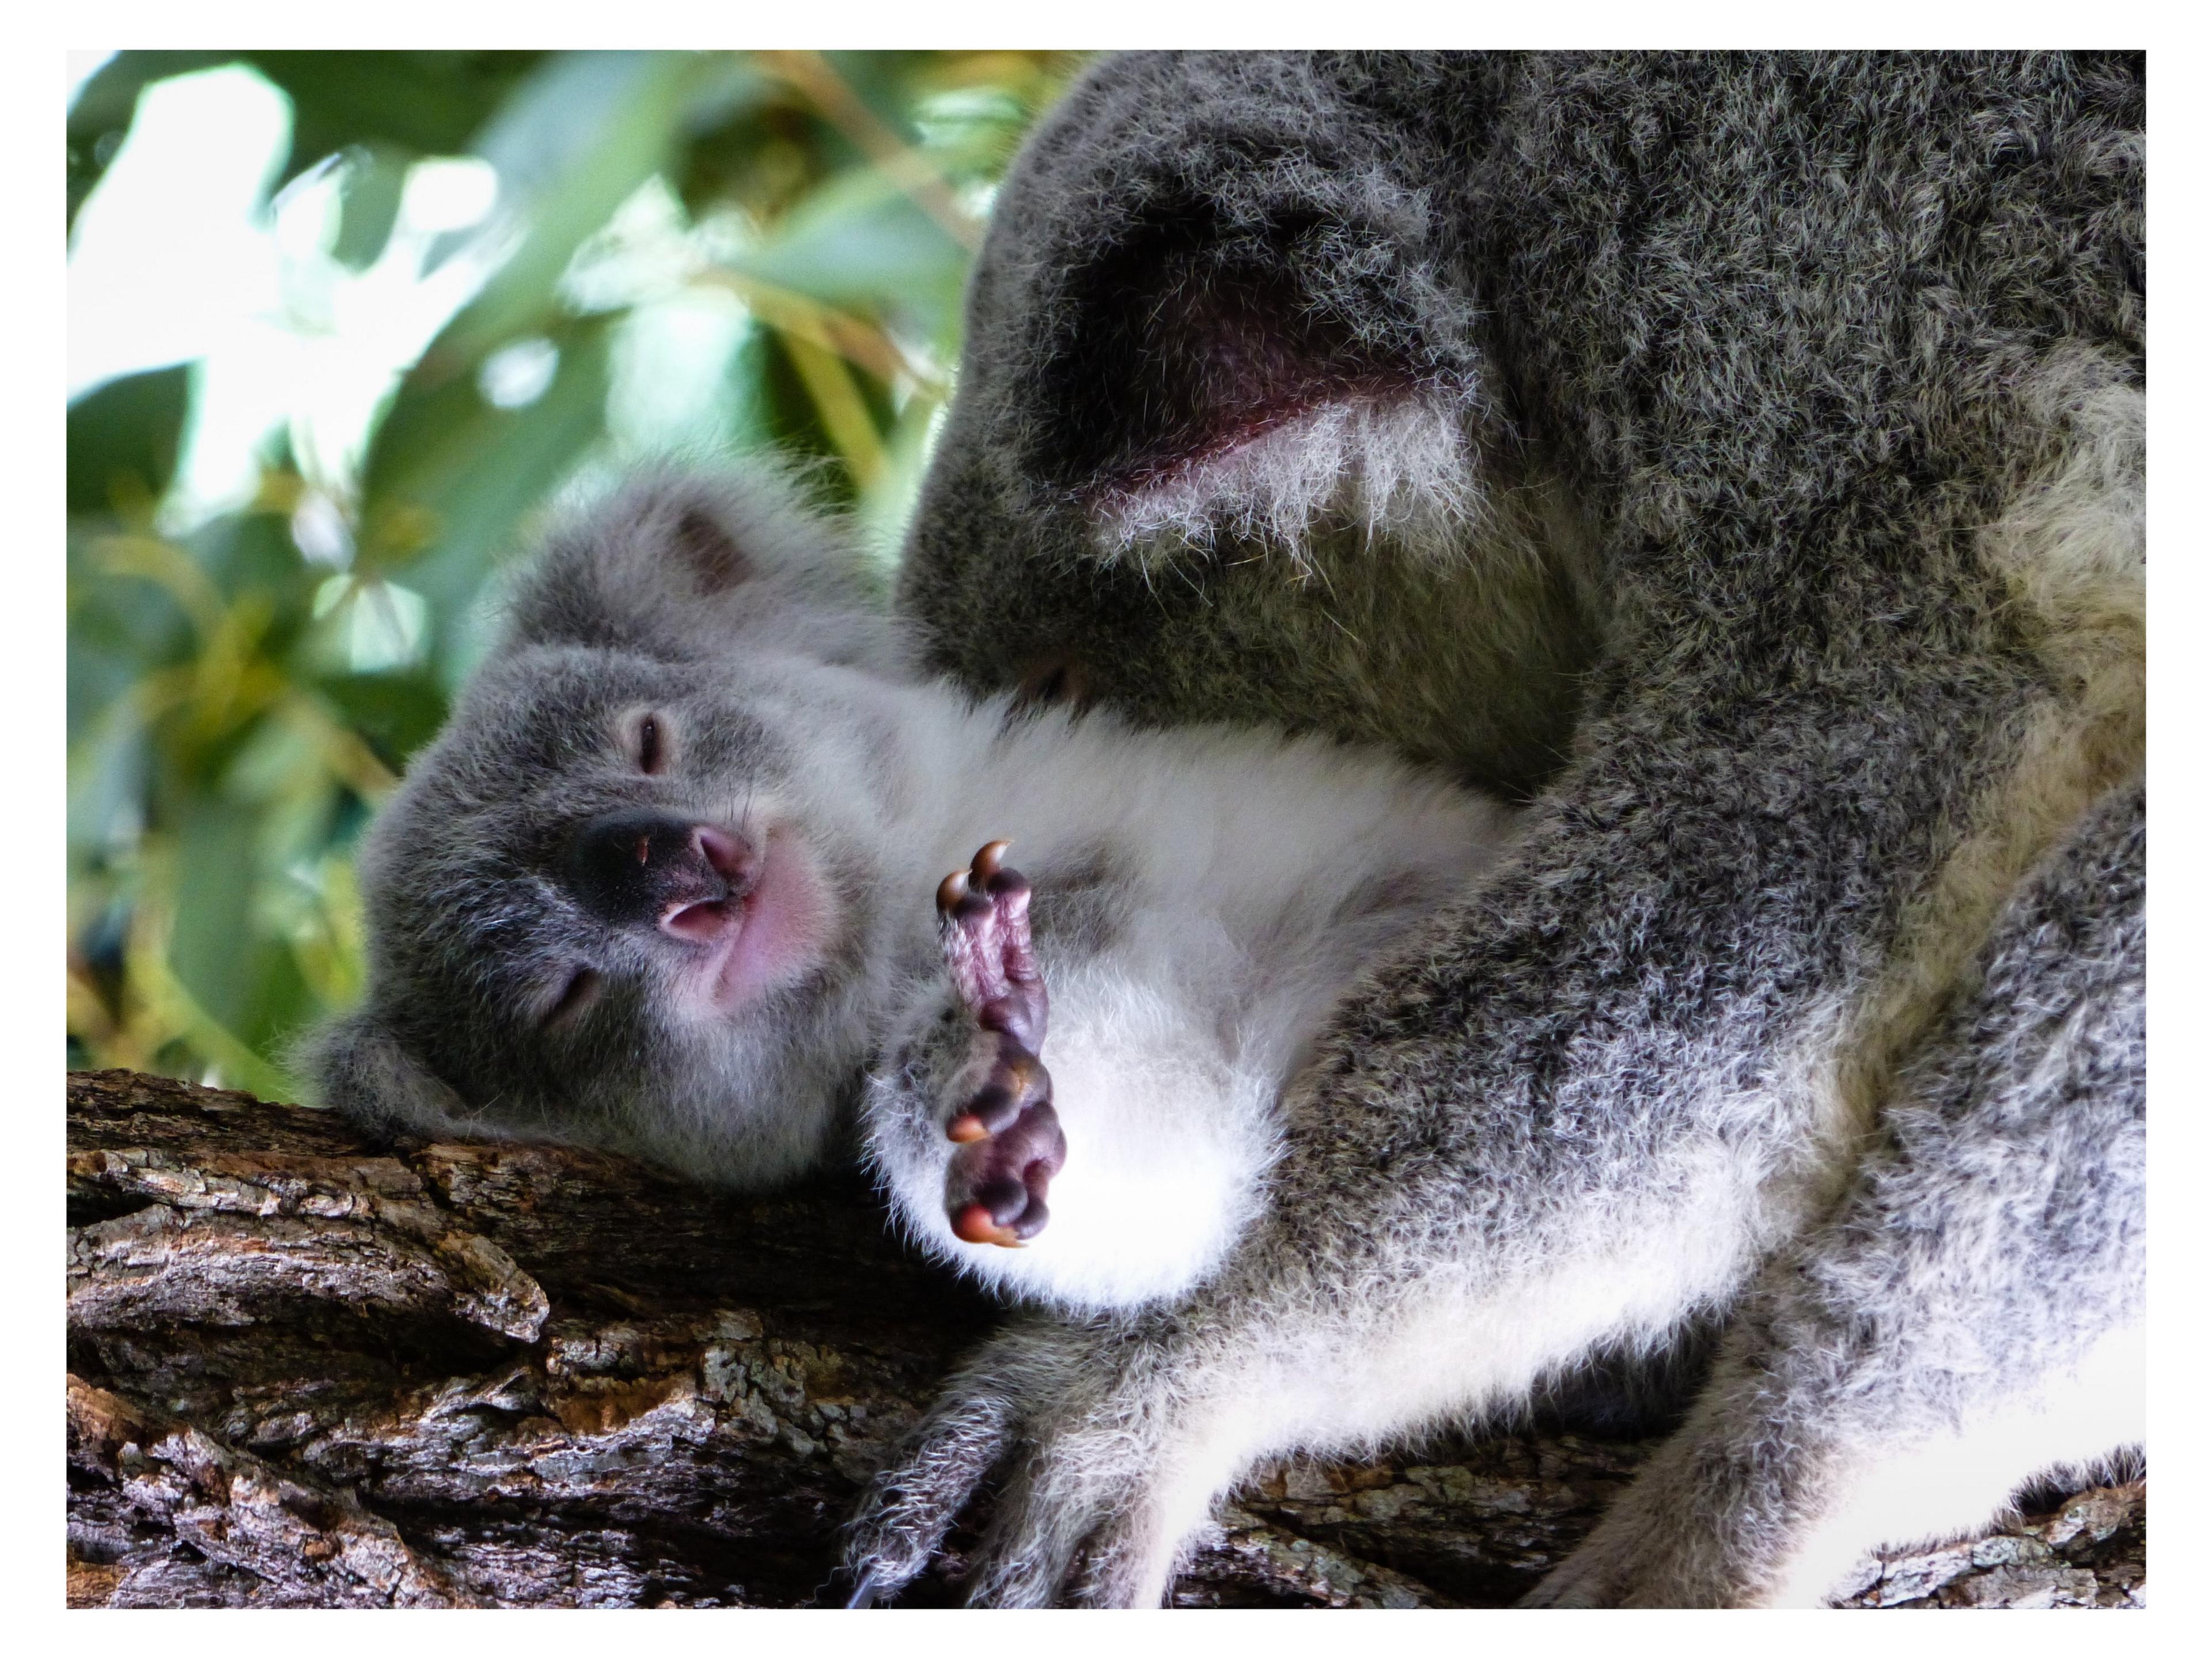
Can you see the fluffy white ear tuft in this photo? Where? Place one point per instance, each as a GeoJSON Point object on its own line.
{"type": "Point", "coordinates": [1398, 468]}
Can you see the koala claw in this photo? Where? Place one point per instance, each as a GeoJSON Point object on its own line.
{"type": "Point", "coordinates": [1008, 1133]}
{"type": "Point", "coordinates": [973, 1225]}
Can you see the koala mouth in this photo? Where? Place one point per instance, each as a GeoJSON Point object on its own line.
{"type": "Point", "coordinates": [748, 909]}
{"type": "Point", "coordinates": [762, 935]}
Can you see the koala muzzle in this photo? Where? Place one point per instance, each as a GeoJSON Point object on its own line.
{"type": "Point", "coordinates": [646, 868]}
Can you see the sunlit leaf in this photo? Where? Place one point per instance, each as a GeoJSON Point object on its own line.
{"type": "Point", "coordinates": [101, 114]}
{"type": "Point", "coordinates": [452, 475]}
{"type": "Point", "coordinates": [375, 179]}
{"type": "Point", "coordinates": [577, 137]}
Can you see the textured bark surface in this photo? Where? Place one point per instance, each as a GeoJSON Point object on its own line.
{"type": "Point", "coordinates": [309, 1370]}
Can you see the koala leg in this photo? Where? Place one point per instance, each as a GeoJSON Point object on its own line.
{"type": "Point", "coordinates": [1009, 1140]}
{"type": "Point", "coordinates": [1116, 1437]}
{"type": "Point", "coordinates": [907, 1508]}
{"type": "Point", "coordinates": [1969, 1318]}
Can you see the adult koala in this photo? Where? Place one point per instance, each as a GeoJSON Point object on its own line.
{"type": "Point", "coordinates": [1742, 455]}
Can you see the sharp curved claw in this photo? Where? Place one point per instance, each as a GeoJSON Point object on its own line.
{"type": "Point", "coordinates": [950, 891]}
{"type": "Point", "coordinates": [864, 1592]}
{"type": "Point", "coordinates": [973, 1225]}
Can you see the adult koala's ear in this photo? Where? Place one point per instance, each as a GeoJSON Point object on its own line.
{"type": "Point", "coordinates": [681, 565]}
{"type": "Point", "coordinates": [1221, 297]}
{"type": "Point", "coordinates": [355, 1065]}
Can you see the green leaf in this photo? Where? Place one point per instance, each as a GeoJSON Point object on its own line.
{"type": "Point", "coordinates": [428, 103]}
{"type": "Point", "coordinates": [776, 412]}
{"type": "Point", "coordinates": [108, 763]}
{"type": "Point", "coordinates": [572, 146]}
{"type": "Point", "coordinates": [368, 206]}
{"type": "Point", "coordinates": [450, 476]}
{"type": "Point", "coordinates": [210, 944]}
{"type": "Point", "coordinates": [861, 242]}
{"type": "Point", "coordinates": [123, 439]}
{"type": "Point", "coordinates": [251, 554]}
{"type": "Point", "coordinates": [395, 714]}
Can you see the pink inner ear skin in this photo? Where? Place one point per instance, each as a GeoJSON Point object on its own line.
{"type": "Point", "coordinates": [707, 548]}
{"type": "Point", "coordinates": [1192, 340]}
{"type": "Point", "coordinates": [1248, 424]}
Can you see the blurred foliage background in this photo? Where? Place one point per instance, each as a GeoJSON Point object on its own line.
{"type": "Point", "coordinates": [341, 326]}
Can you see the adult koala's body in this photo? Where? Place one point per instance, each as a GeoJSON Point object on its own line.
{"type": "Point", "coordinates": [1744, 456]}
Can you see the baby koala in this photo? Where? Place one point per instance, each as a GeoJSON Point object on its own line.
{"type": "Point", "coordinates": [663, 885]}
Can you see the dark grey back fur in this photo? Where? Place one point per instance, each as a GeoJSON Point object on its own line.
{"type": "Point", "coordinates": [1742, 451]}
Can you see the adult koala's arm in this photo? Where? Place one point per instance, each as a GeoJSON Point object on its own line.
{"type": "Point", "coordinates": [1744, 453]}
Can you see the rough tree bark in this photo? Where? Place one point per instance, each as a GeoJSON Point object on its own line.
{"type": "Point", "coordinates": [310, 1370]}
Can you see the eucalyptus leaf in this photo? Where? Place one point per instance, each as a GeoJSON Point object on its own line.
{"type": "Point", "coordinates": [394, 713]}
{"type": "Point", "coordinates": [862, 240]}
{"type": "Point", "coordinates": [451, 475]}
{"type": "Point", "coordinates": [101, 114]}
{"type": "Point", "coordinates": [375, 179]}
{"type": "Point", "coordinates": [123, 439]}
{"type": "Point", "coordinates": [213, 846]}
{"type": "Point", "coordinates": [420, 103]}
{"type": "Point", "coordinates": [574, 142]}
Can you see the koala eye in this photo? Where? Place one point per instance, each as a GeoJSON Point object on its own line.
{"type": "Point", "coordinates": [580, 991]}
{"type": "Point", "coordinates": [652, 745]}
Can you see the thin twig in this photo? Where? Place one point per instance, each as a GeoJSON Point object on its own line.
{"type": "Point", "coordinates": [907, 167]}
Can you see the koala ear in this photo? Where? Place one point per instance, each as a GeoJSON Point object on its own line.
{"type": "Point", "coordinates": [705, 549]}
{"type": "Point", "coordinates": [632, 571]}
{"type": "Point", "coordinates": [681, 565]}
{"type": "Point", "coordinates": [1187, 345]}
{"type": "Point", "coordinates": [354, 1065]}
{"type": "Point", "coordinates": [1195, 378]}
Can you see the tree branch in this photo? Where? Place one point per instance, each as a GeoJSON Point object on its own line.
{"type": "Point", "coordinates": [310, 1370]}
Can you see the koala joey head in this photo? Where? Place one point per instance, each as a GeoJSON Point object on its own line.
{"type": "Point", "coordinates": [624, 898]}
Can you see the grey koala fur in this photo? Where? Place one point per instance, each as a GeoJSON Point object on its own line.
{"type": "Point", "coordinates": [1742, 455]}
{"type": "Point", "coordinates": [663, 884]}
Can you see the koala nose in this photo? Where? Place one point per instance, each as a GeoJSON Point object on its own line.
{"type": "Point", "coordinates": [644, 866]}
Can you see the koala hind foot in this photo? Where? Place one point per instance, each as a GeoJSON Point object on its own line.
{"type": "Point", "coordinates": [1009, 1135]}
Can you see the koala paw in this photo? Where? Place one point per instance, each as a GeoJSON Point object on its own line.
{"type": "Point", "coordinates": [1648, 1554]}
{"type": "Point", "coordinates": [1107, 1471]}
{"type": "Point", "coordinates": [1009, 1136]}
